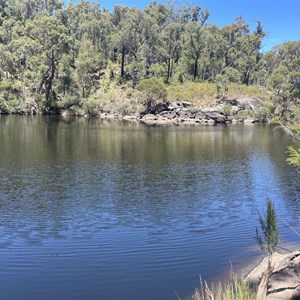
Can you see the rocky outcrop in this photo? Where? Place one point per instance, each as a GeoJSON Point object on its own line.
{"type": "Point", "coordinates": [284, 279]}
{"type": "Point", "coordinates": [247, 103]}
{"type": "Point", "coordinates": [182, 113]}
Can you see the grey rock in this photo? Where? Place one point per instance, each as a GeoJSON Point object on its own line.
{"type": "Point", "coordinates": [149, 117]}
{"type": "Point", "coordinates": [214, 109]}
{"type": "Point", "coordinates": [175, 105]}
{"type": "Point", "coordinates": [216, 117]}
{"type": "Point", "coordinates": [199, 115]}
{"type": "Point", "coordinates": [169, 114]}
{"type": "Point", "coordinates": [184, 115]}
{"type": "Point", "coordinates": [247, 103]}
{"type": "Point", "coordinates": [284, 280]}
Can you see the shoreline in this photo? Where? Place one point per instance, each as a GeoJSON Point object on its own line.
{"type": "Point", "coordinates": [179, 113]}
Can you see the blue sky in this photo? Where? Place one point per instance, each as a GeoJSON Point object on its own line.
{"type": "Point", "coordinates": [280, 18]}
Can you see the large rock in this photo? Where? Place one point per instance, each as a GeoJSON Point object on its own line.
{"type": "Point", "coordinates": [216, 117]}
{"type": "Point", "coordinates": [177, 105]}
{"type": "Point", "coordinates": [213, 109]}
{"type": "Point", "coordinates": [182, 115]}
{"type": "Point", "coordinates": [199, 115]}
{"type": "Point", "coordinates": [247, 103]}
{"type": "Point", "coordinates": [149, 117]}
{"type": "Point", "coordinates": [169, 114]}
{"type": "Point", "coordinates": [284, 280]}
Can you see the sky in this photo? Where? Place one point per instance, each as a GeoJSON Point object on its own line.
{"type": "Point", "coordinates": [280, 18]}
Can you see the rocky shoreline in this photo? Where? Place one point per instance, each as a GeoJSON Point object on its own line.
{"type": "Point", "coordinates": [170, 113]}
{"type": "Point", "coordinates": [284, 279]}
{"type": "Point", "coordinates": [182, 113]}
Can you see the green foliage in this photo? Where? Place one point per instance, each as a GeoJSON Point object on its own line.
{"type": "Point", "coordinates": [153, 89]}
{"type": "Point", "coordinates": [263, 113]}
{"type": "Point", "coordinates": [92, 106]}
{"type": "Point", "coordinates": [233, 75]}
{"type": "Point", "coordinates": [270, 235]}
{"type": "Point", "coordinates": [227, 110]}
{"type": "Point", "coordinates": [222, 83]}
{"type": "Point", "coordinates": [244, 114]}
{"type": "Point", "coordinates": [49, 51]}
{"type": "Point", "coordinates": [294, 157]}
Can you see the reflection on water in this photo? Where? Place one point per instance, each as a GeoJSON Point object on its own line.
{"type": "Point", "coordinates": [105, 210]}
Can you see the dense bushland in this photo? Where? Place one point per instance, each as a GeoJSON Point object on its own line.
{"type": "Point", "coordinates": [83, 56]}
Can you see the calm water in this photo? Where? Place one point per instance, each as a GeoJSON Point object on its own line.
{"type": "Point", "coordinates": [105, 210]}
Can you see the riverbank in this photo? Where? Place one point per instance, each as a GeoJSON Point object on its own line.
{"type": "Point", "coordinates": [243, 284]}
{"type": "Point", "coordinates": [243, 110]}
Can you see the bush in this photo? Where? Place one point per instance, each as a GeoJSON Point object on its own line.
{"type": "Point", "coordinates": [263, 113]}
{"type": "Point", "coordinates": [244, 114]}
{"type": "Point", "coordinates": [227, 110]}
{"type": "Point", "coordinates": [92, 106]}
{"type": "Point", "coordinates": [153, 88]}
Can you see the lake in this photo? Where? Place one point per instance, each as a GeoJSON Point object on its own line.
{"type": "Point", "coordinates": [94, 209]}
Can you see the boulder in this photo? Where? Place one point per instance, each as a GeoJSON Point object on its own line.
{"type": "Point", "coordinates": [234, 110]}
{"type": "Point", "coordinates": [186, 104]}
{"type": "Point", "coordinates": [199, 115]}
{"type": "Point", "coordinates": [169, 114]}
{"type": "Point", "coordinates": [249, 121]}
{"type": "Point", "coordinates": [216, 117]}
{"type": "Point", "coordinates": [157, 109]}
{"type": "Point", "coordinates": [247, 103]}
{"type": "Point", "coordinates": [175, 105]}
{"type": "Point", "coordinates": [130, 117]}
{"type": "Point", "coordinates": [213, 109]}
{"type": "Point", "coordinates": [149, 117]}
{"type": "Point", "coordinates": [184, 115]}
{"type": "Point", "coordinates": [178, 104]}
{"type": "Point", "coordinates": [284, 279]}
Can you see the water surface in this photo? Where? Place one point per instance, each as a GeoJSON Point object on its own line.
{"type": "Point", "coordinates": [111, 210]}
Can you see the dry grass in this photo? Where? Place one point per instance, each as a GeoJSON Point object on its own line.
{"type": "Point", "coordinates": [241, 90]}
{"type": "Point", "coordinates": [200, 94]}
{"type": "Point", "coordinates": [234, 289]}
{"type": "Point", "coordinates": [124, 99]}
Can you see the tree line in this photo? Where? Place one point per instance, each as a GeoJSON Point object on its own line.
{"type": "Point", "coordinates": [49, 50]}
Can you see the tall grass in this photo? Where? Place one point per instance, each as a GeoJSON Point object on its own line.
{"type": "Point", "coordinates": [234, 289]}
{"type": "Point", "coordinates": [200, 94]}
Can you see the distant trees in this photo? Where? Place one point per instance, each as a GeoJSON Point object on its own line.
{"type": "Point", "coordinates": [49, 51]}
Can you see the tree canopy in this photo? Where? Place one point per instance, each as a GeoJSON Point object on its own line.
{"type": "Point", "coordinates": [49, 51]}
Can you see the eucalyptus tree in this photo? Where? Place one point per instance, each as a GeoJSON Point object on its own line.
{"type": "Point", "coordinates": [48, 39]}
{"type": "Point", "coordinates": [211, 62]}
{"type": "Point", "coordinates": [23, 10]}
{"type": "Point", "coordinates": [283, 63]}
{"type": "Point", "coordinates": [151, 43]}
{"type": "Point", "coordinates": [127, 34]}
{"type": "Point", "coordinates": [195, 38]}
{"type": "Point", "coordinates": [87, 66]}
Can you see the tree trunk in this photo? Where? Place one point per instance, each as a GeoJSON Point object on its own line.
{"type": "Point", "coordinates": [196, 68]}
{"type": "Point", "coordinates": [123, 62]}
{"type": "Point", "coordinates": [247, 77]}
{"type": "Point", "coordinates": [50, 79]}
{"type": "Point", "coordinates": [169, 69]}
{"type": "Point", "coordinates": [263, 285]}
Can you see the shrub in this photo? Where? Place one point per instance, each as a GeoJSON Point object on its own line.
{"type": "Point", "coordinates": [270, 235]}
{"type": "Point", "coordinates": [227, 110]}
{"type": "Point", "coordinates": [153, 88]}
{"type": "Point", "coordinates": [244, 114]}
{"type": "Point", "coordinates": [92, 106]}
